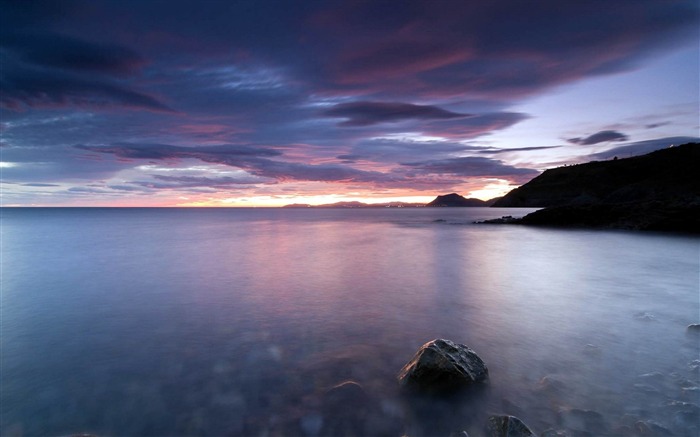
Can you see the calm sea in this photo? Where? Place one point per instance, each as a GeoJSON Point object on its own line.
{"type": "Point", "coordinates": [154, 322]}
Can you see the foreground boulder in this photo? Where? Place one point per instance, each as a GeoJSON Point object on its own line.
{"type": "Point", "coordinates": [507, 426]}
{"type": "Point", "coordinates": [442, 366]}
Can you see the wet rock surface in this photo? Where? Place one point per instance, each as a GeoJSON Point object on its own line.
{"type": "Point", "coordinates": [442, 366]}
{"type": "Point", "coordinates": [507, 426]}
{"type": "Point", "coordinates": [693, 328]}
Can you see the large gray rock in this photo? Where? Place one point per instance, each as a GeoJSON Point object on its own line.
{"type": "Point", "coordinates": [443, 366]}
{"type": "Point", "coordinates": [507, 426]}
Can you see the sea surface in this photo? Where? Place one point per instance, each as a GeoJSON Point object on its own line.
{"type": "Point", "coordinates": [174, 322]}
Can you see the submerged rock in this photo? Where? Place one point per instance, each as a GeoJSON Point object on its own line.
{"type": "Point", "coordinates": [346, 393]}
{"type": "Point", "coordinates": [582, 420]}
{"type": "Point", "coordinates": [443, 366]}
{"type": "Point", "coordinates": [693, 328]}
{"type": "Point", "coordinates": [507, 426]}
{"type": "Point", "coordinates": [345, 409]}
{"type": "Point", "coordinates": [651, 428]}
{"type": "Point", "coordinates": [644, 316]}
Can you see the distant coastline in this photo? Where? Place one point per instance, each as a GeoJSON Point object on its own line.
{"type": "Point", "coordinates": [451, 200]}
{"type": "Point", "coordinates": [658, 191]}
{"type": "Point", "coordinates": [358, 205]}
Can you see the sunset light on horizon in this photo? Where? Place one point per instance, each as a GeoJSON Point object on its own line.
{"type": "Point", "coordinates": [271, 103]}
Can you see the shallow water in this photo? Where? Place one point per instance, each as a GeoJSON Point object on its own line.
{"type": "Point", "coordinates": [238, 321]}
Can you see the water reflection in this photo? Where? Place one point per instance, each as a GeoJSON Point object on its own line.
{"type": "Point", "coordinates": [227, 323]}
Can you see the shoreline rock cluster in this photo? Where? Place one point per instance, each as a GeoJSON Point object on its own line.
{"type": "Point", "coordinates": [638, 216]}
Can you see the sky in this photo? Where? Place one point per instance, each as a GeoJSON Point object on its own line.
{"type": "Point", "coordinates": [268, 103]}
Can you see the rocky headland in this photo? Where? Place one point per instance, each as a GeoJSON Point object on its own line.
{"type": "Point", "coordinates": [659, 191]}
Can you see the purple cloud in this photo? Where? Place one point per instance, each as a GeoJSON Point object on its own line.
{"type": "Point", "coordinates": [23, 88]}
{"type": "Point", "coordinates": [471, 166]}
{"type": "Point", "coordinates": [248, 158]}
{"type": "Point", "coordinates": [658, 124]}
{"type": "Point", "coordinates": [59, 51]}
{"type": "Point", "coordinates": [53, 70]}
{"type": "Point", "coordinates": [516, 149]}
{"type": "Point", "coordinates": [369, 113]}
{"type": "Point", "coordinates": [198, 181]}
{"type": "Point", "coordinates": [599, 137]}
{"type": "Point", "coordinates": [225, 153]}
{"type": "Point", "coordinates": [497, 49]}
{"type": "Point", "coordinates": [38, 184]}
{"type": "Point", "coordinates": [475, 126]}
{"type": "Point", "coordinates": [392, 151]}
{"type": "Point", "coordinates": [263, 87]}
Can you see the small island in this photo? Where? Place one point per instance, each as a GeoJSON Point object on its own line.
{"type": "Point", "coordinates": [455, 200]}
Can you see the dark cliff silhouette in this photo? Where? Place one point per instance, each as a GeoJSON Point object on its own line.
{"type": "Point", "coordinates": [657, 191]}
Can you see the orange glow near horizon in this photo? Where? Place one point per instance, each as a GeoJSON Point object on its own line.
{"type": "Point", "coordinates": [268, 196]}
{"type": "Point", "coordinates": [225, 200]}
{"type": "Point", "coordinates": [489, 191]}
{"type": "Point", "coordinates": [279, 201]}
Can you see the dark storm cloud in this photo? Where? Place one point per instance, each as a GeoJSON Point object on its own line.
{"type": "Point", "coordinates": [368, 113]}
{"type": "Point", "coordinates": [471, 166]}
{"type": "Point", "coordinates": [603, 136]}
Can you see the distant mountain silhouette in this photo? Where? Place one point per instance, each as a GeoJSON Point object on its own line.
{"type": "Point", "coordinates": [356, 204]}
{"type": "Point", "coordinates": [657, 191]}
{"type": "Point", "coordinates": [455, 200]}
{"type": "Point", "coordinates": [450, 200]}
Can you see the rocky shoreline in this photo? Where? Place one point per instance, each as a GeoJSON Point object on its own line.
{"type": "Point", "coordinates": [638, 216]}
{"type": "Point", "coordinates": [659, 191]}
